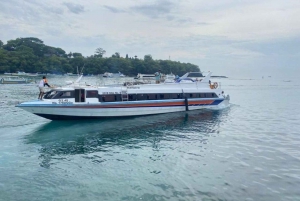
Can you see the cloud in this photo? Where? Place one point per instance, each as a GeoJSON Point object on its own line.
{"type": "Point", "coordinates": [113, 9]}
{"type": "Point", "coordinates": [74, 8]}
{"type": "Point", "coordinates": [160, 8]}
{"type": "Point", "coordinates": [207, 33]}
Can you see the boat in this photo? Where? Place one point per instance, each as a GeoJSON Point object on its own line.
{"type": "Point", "coordinates": [150, 78]}
{"type": "Point", "coordinates": [13, 80]}
{"type": "Point", "coordinates": [19, 73]}
{"type": "Point", "coordinates": [121, 74]}
{"type": "Point", "coordinates": [78, 101]}
{"type": "Point", "coordinates": [141, 76]}
{"type": "Point", "coordinates": [71, 74]}
{"type": "Point", "coordinates": [109, 75]}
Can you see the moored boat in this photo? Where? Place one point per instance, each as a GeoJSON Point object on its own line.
{"type": "Point", "coordinates": [79, 102]}
{"type": "Point", "coordinates": [109, 75]}
{"type": "Point", "coordinates": [13, 80]}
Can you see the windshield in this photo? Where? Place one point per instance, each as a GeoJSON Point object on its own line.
{"type": "Point", "coordinates": [50, 94]}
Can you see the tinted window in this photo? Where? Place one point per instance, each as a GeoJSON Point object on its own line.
{"type": "Point", "coordinates": [141, 97]}
{"type": "Point", "coordinates": [131, 97]}
{"type": "Point", "coordinates": [64, 94]}
{"type": "Point", "coordinates": [108, 98]}
{"type": "Point", "coordinates": [209, 95]}
{"type": "Point", "coordinates": [151, 96]}
{"type": "Point", "coordinates": [92, 94]}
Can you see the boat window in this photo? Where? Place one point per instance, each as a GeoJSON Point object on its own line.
{"type": "Point", "coordinates": [131, 97]}
{"type": "Point", "coordinates": [108, 98]}
{"type": "Point", "coordinates": [135, 97]}
{"type": "Point", "coordinates": [118, 97]}
{"type": "Point", "coordinates": [50, 94]}
{"type": "Point", "coordinates": [167, 96]}
{"type": "Point", "coordinates": [209, 95]}
{"type": "Point", "coordinates": [92, 94]}
{"type": "Point", "coordinates": [151, 96]}
{"type": "Point", "coordinates": [173, 96]}
{"type": "Point", "coordinates": [67, 94]}
{"type": "Point", "coordinates": [141, 96]}
{"type": "Point", "coordinates": [202, 95]}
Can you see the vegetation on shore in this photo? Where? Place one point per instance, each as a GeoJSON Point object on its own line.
{"type": "Point", "coordinates": [31, 55]}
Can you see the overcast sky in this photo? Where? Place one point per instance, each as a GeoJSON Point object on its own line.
{"type": "Point", "coordinates": [228, 37]}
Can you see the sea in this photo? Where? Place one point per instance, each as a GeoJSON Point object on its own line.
{"type": "Point", "coordinates": [248, 151]}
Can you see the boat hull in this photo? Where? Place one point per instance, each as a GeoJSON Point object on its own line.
{"type": "Point", "coordinates": [12, 82]}
{"type": "Point", "coordinates": [117, 109]}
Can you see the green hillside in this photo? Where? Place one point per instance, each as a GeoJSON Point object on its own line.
{"type": "Point", "coordinates": [31, 55]}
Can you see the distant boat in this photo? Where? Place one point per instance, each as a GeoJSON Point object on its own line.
{"type": "Point", "coordinates": [151, 77]}
{"type": "Point", "coordinates": [121, 74]}
{"type": "Point", "coordinates": [13, 80]}
{"type": "Point", "coordinates": [71, 74]}
{"type": "Point", "coordinates": [106, 74]}
{"type": "Point", "coordinates": [21, 73]}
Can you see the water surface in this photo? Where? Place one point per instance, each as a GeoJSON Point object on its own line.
{"type": "Point", "coordinates": [248, 151]}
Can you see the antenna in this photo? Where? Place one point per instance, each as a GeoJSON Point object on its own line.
{"type": "Point", "coordinates": [82, 68]}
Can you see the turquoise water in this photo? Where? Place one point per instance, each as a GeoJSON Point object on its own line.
{"type": "Point", "coordinates": [248, 151]}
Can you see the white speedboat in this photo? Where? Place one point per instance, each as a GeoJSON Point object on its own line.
{"type": "Point", "coordinates": [80, 101]}
{"type": "Point", "coordinates": [108, 75]}
{"type": "Point", "coordinates": [121, 74]}
{"type": "Point", "coordinates": [13, 80]}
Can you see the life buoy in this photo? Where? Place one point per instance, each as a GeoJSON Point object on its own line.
{"type": "Point", "coordinates": [215, 85]}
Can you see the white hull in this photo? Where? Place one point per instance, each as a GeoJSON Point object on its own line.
{"type": "Point", "coordinates": [83, 110]}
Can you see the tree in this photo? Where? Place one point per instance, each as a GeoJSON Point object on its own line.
{"type": "Point", "coordinates": [76, 54]}
{"type": "Point", "coordinates": [148, 57]}
{"type": "Point", "coordinates": [116, 55]}
{"type": "Point", "coordinates": [1, 43]}
{"type": "Point", "coordinates": [100, 52]}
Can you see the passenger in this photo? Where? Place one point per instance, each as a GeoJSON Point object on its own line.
{"type": "Point", "coordinates": [42, 84]}
{"type": "Point", "coordinates": [177, 78]}
{"type": "Point", "coordinates": [157, 77]}
{"type": "Point", "coordinates": [209, 82]}
{"type": "Point", "coordinates": [46, 82]}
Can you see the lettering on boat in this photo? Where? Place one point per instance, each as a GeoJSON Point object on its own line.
{"type": "Point", "coordinates": [64, 101]}
{"type": "Point", "coordinates": [133, 87]}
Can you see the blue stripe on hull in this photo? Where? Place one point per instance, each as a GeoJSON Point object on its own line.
{"type": "Point", "coordinates": [131, 104]}
{"type": "Point", "coordinates": [217, 102]}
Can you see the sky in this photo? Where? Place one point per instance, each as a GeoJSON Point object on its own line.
{"type": "Point", "coordinates": [236, 38]}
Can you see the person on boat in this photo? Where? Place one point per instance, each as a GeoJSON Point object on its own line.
{"type": "Point", "coordinates": [177, 78]}
{"type": "Point", "coordinates": [157, 77]}
{"type": "Point", "coordinates": [209, 82]}
{"type": "Point", "coordinates": [46, 82]}
{"type": "Point", "coordinates": [42, 84]}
